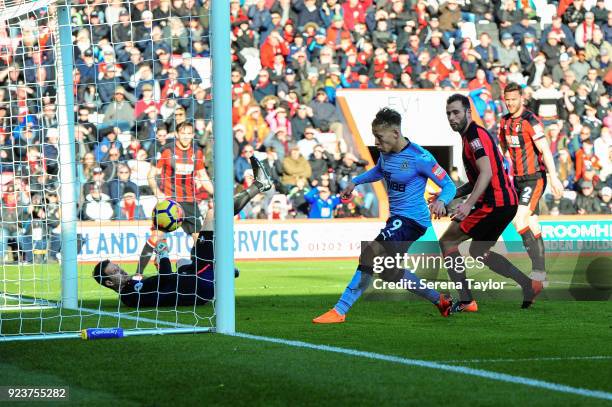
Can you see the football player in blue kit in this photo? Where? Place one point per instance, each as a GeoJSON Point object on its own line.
{"type": "Point", "coordinates": [405, 167]}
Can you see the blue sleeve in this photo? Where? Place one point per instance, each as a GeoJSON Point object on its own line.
{"type": "Point", "coordinates": [311, 196]}
{"type": "Point", "coordinates": [430, 168]}
{"type": "Point", "coordinates": [372, 175]}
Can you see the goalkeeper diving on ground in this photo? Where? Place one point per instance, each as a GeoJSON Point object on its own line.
{"type": "Point", "coordinates": [193, 282]}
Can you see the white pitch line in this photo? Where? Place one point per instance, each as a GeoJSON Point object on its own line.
{"type": "Point", "coordinates": [542, 359]}
{"type": "Point", "coordinates": [501, 377]}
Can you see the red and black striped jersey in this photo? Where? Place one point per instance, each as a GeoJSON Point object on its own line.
{"type": "Point", "coordinates": [178, 167]}
{"type": "Point", "coordinates": [518, 136]}
{"type": "Point", "coordinates": [477, 143]}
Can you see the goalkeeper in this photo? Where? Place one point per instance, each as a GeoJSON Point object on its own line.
{"type": "Point", "coordinates": [193, 283]}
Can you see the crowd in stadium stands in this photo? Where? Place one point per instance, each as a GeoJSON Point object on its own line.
{"type": "Point", "coordinates": [138, 75]}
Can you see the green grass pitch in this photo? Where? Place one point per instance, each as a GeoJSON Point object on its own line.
{"type": "Point", "coordinates": [555, 342]}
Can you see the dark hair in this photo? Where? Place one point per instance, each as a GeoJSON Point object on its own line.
{"type": "Point", "coordinates": [457, 97]}
{"type": "Point", "coordinates": [387, 117]}
{"type": "Point", "coordinates": [513, 87]}
{"type": "Point", "coordinates": [184, 125]}
{"type": "Point", "coordinates": [98, 272]}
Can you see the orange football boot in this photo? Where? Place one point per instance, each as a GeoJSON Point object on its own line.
{"type": "Point", "coordinates": [330, 317]}
{"type": "Point", "coordinates": [469, 307]}
{"type": "Point", "coordinates": [444, 305]}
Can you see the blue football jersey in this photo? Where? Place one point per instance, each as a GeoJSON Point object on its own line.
{"type": "Point", "coordinates": [405, 174]}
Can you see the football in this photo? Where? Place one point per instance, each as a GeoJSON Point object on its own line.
{"type": "Point", "coordinates": [167, 215]}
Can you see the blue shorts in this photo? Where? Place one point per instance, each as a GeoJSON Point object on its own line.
{"type": "Point", "coordinates": [401, 229]}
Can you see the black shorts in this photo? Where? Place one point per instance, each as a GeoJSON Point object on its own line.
{"type": "Point", "coordinates": [530, 189]}
{"type": "Point", "coordinates": [486, 223]}
{"type": "Point", "coordinates": [192, 223]}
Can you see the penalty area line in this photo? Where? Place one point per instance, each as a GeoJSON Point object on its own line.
{"type": "Point", "coordinates": [501, 377]}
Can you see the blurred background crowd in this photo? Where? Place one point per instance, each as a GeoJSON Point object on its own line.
{"type": "Point", "coordinates": [141, 69]}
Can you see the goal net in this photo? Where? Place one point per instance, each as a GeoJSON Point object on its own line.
{"type": "Point", "coordinates": [105, 110]}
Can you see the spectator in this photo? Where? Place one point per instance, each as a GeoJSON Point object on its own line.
{"type": "Point", "coordinates": [128, 208]}
{"type": "Point", "coordinates": [97, 205]}
{"type": "Point", "coordinates": [110, 141]}
{"type": "Point", "coordinates": [586, 159]}
{"type": "Point", "coordinates": [560, 205]}
{"type": "Point", "coordinates": [322, 203]}
{"type": "Point", "coordinates": [548, 101]}
{"type": "Point", "coordinates": [295, 165]}
{"type": "Point", "coordinates": [147, 125]}
{"type": "Point", "coordinates": [256, 128]}
{"type": "Point", "coordinates": [162, 141]}
{"type": "Point", "coordinates": [145, 101]}
{"type": "Point", "coordinates": [584, 30]}
{"type": "Point", "coordinates": [308, 143]}
{"type": "Point", "coordinates": [586, 201]}
{"type": "Point", "coordinates": [307, 12]}
{"type": "Point", "coordinates": [110, 163]}
{"type": "Point", "coordinates": [119, 185]}
{"type": "Point", "coordinates": [263, 86]}
{"type": "Point", "coordinates": [139, 170]}
{"type": "Point", "coordinates": [200, 107]}
{"type": "Point", "coordinates": [349, 167]}
{"type": "Point", "coordinates": [594, 85]}
{"type": "Point", "coordinates": [324, 111]}
{"type": "Point", "coordinates": [564, 35]}
{"type": "Point", "coordinates": [242, 163]}
{"type": "Point", "coordinates": [278, 207]}
{"type": "Point", "coordinates": [580, 66]}
{"type": "Point", "coordinates": [119, 112]}
{"type": "Point", "coordinates": [605, 202]}
{"type": "Point", "coordinates": [591, 121]}
{"type": "Point", "coordinates": [487, 51]}
{"type": "Point", "coordinates": [559, 71]}
{"type": "Point", "coordinates": [301, 121]}
{"type": "Point", "coordinates": [450, 20]}
{"type": "Point", "coordinates": [297, 198]}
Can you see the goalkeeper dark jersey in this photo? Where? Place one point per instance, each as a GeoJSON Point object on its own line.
{"type": "Point", "coordinates": [187, 286]}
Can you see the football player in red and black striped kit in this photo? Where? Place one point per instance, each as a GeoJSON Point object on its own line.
{"type": "Point", "coordinates": [521, 137]}
{"type": "Point", "coordinates": [488, 210]}
{"type": "Point", "coordinates": [178, 173]}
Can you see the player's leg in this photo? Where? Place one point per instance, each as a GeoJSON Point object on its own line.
{"type": "Point", "coordinates": [202, 253]}
{"type": "Point", "coordinates": [485, 235]}
{"type": "Point", "coordinates": [449, 245]}
{"type": "Point", "coordinates": [527, 225]}
{"type": "Point", "coordinates": [262, 183]}
{"type": "Point", "coordinates": [539, 270]}
{"type": "Point", "coordinates": [397, 229]}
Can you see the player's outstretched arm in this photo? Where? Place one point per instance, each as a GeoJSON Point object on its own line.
{"type": "Point", "coordinates": [549, 163]}
{"type": "Point", "coordinates": [372, 175]}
